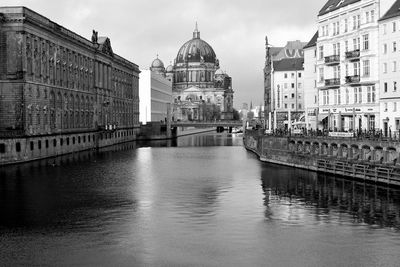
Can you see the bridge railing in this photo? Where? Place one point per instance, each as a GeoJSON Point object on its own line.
{"type": "Point", "coordinates": [372, 135]}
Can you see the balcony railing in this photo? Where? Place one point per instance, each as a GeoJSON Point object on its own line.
{"type": "Point", "coordinates": [353, 79]}
{"type": "Point", "coordinates": [334, 59]}
{"type": "Point", "coordinates": [332, 82]}
{"type": "Point", "coordinates": [352, 55]}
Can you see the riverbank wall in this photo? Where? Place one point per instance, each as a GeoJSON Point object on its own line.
{"type": "Point", "coordinates": [375, 161]}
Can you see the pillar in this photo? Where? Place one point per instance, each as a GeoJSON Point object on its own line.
{"type": "Point", "coordinates": [269, 121]}
{"type": "Point", "coordinates": [275, 124]}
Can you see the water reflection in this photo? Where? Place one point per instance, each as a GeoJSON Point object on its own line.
{"type": "Point", "coordinates": [329, 196]}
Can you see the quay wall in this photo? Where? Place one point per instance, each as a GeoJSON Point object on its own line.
{"type": "Point", "coordinates": [375, 161]}
{"type": "Point", "coordinates": [28, 148]}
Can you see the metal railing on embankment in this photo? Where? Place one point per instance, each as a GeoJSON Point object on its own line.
{"type": "Point", "coordinates": [387, 175]}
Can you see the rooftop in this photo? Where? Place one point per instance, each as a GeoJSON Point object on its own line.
{"type": "Point", "coordinates": [332, 5]}
{"type": "Point", "coordinates": [393, 11]}
{"type": "Point", "coordinates": [312, 42]}
{"type": "Point", "coordinates": [289, 64]}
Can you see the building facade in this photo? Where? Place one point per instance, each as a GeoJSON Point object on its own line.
{"type": "Point", "coordinates": [389, 53]}
{"type": "Point", "coordinates": [347, 65]}
{"type": "Point", "coordinates": [201, 90]}
{"type": "Point", "coordinates": [155, 95]}
{"type": "Point", "coordinates": [278, 61]}
{"type": "Point", "coordinates": [310, 84]}
{"type": "Point", "coordinates": [60, 90]}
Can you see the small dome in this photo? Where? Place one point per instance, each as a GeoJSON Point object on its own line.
{"type": "Point", "coordinates": [169, 68]}
{"type": "Point", "coordinates": [157, 63]}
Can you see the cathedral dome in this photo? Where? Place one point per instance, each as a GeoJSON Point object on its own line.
{"type": "Point", "coordinates": [157, 63]}
{"type": "Point", "coordinates": [196, 50]}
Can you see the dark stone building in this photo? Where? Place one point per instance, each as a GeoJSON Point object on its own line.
{"type": "Point", "coordinates": [56, 85]}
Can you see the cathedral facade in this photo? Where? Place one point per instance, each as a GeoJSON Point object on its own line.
{"type": "Point", "coordinates": [201, 90]}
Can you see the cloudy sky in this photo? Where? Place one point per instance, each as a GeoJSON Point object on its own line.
{"type": "Point", "coordinates": [236, 29]}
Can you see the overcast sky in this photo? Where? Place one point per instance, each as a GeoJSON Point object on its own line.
{"type": "Point", "coordinates": [139, 30]}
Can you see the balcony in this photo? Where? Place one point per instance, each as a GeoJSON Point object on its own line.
{"type": "Point", "coordinates": [353, 79]}
{"type": "Point", "coordinates": [335, 82]}
{"type": "Point", "coordinates": [353, 55]}
{"type": "Point", "coordinates": [332, 60]}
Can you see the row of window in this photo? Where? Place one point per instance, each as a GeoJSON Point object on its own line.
{"type": "Point", "coordinates": [366, 67]}
{"type": "Point", "coordinates": [386, 106]}
{"type": "Point", "coordinates": [386, 87]}
{"type": "Point", "coordinates": [355, 46]}
{"type": "Point", "coordinates": [292, 86]}
{"type": "Point", "coordinates": [392, 26]}
{"type": "Point", "coordinates": [344, 26]}
{"type": "Point", "coordinates": [80, 139]}
{"type": "Point", "coordinates": [385, 66]}
{"type": "Point", "coordinates": [285, 75]}
{"type": "Point", "coordinates": [357, 93]}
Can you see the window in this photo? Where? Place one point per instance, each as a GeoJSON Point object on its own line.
{"type": "Point", "coordinates": [335, 97]}
{"type": "Point", "coordinates": [354, 22]}
{"type": "Point", "coordinates": [292, 106]}
{"type": "Point", "coordinates": [40, 144]}
{"type": "Point", "coordinates": [394, 26]}
{"type": "Point", "coordinates": [358, 21]}
{"type": "Point", "coordinates": [384, 48]}
{"type": "Point", "coordinates": [3, 148]}
{"type": "Point", "coordinates": [347, 96]}
{"type": "Point", "coordinates": [32, 145]}
{"type": "Point", "coordinates": [321, 74]}
{"type": "Point", "coordinates": [365, 42]}
{"type": "Point", "coordinates": [386, 107]}
{"type": "Point", "coordinates": [47, 143]}
{"type": "Point", "coordinates": [394, 106]}
{"type": "Point", "coordinates": [345, 25]}
{"type": "Point", "coordinates": [366, 68]}
{"type": "Point", "coordinates": [372, 16]}
{"type": "Point", "coordinates": [347, 69]}
{"type": "Point", "coordinates": [394, 86]}
{"type": "Point", "coordinates": [18, 147]}
{"type": "Point", "coordinates": [385, 67]}
{"type": "Point", "coordinates": [394, 66]}
{"type": "Point", "coordinates": [292, 75]}
{"type": "Point", "coordinates": [292, 85]}
{"type": "Point", "coordinates": [359, 95]}
{"type": "Point", "coordinates": [285, 75]}
{"type": "Point", "coordinates": [394, 46]}
{"type": "Point", "coordinates": [356, 43]}
{"type": "Point", "coordinates": [355, 95]}
{"type": "Point", "coordinates": [292, 95]}
{"type": "Point", "coordinates": [285, 105]}
{"type": "Point", "coordinates": [356, 68]}
{"type": "Point", "coordinates": [321, 52]}
{"type": "Point", "coordinates": [373, 94]}
{"type": "Point", "coordinates": [54, 142]}
{"type": "Point", "coordinates": [367, 16]}
{"type": "Point", "coordinates": [336, 72]}
{"type": "Point", "coordinates": [299, 74]}
{"type": "Point", "coordinates": [385, 87]}
{"type": "Point", "coordinates": [346, 46]}
{"type": "Point", "coordinates": [369, 94]}
{"type": "Point", "coordinates": [325, 97]}
{"type": "Point", "coordinates": [285, 85]}
{"type": "Point", "coordinates": [299, 106]}
{"type": "Point", "coordinates": [299, 85]}
{"type": "Point", "coordinates": [384, 28]}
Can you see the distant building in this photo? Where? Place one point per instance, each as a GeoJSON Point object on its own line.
{"type": "Point", "coordinates": [155, 93]}
{"type": "Point", "coordinates": [201, 90]}
{"type": "Point", "coordinates": [310, 83]}
{"type": "Point", "coordinates": [281, 60]}
{"type": "Point", "coordinates": [389, 83]}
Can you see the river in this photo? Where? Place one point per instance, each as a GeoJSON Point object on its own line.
{"type": "Point", "coordinates": [202, 200]}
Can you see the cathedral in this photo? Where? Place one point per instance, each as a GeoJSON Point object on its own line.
{"type": "Point", "coordinates": [201, 90]}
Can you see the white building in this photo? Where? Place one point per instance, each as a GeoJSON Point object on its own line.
{"type": "Point", "coordinates": [155, 96]}
{"type": "Point", "coordinates": [389, 53]}
{"type": "Point", "coordinates": [310, 83]}
{"type": "Point", "coordinates": [288, 85]}
{"type": "Point", "coordinates": [347, 65]}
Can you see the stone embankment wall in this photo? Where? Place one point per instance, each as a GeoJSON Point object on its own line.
{"type": "Point", "coordinates": [370, 160]}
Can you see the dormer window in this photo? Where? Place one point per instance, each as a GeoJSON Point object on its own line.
{"type": "Point", "coordinates": [341, 2]}
{"type": "Point", "coordinates": [329, 7]}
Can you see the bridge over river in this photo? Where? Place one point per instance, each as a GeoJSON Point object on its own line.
{"type": "Point", "coordinates": [206, 123]}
